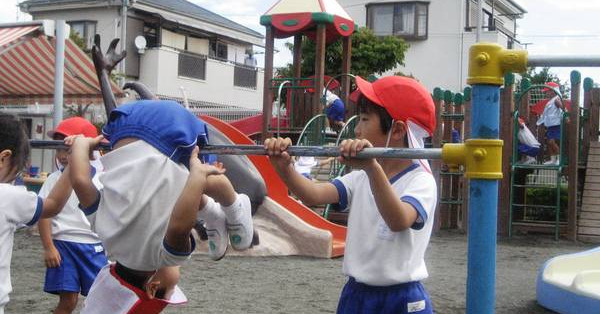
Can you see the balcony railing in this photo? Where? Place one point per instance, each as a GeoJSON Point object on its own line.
{"type": "Point", "coordinates": [192, 65]}
{"type": "Point", "coordinates": [244, 76]}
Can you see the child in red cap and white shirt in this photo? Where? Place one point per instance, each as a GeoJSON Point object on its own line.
{"type": "Point", "coordinates": [392, 201]}
{"type": "Point", "coordinates": [73, 254]}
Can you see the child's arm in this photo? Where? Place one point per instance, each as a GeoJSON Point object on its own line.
{"type": "Point", "coordinates": [311, 193]}
{"type": "Point", "coordinates": [558, 103]}
{"type": "Point", "coordinates": [59, 195]}
{"type": "Point", "coordinates": [79, 162]}
{"type": "Point", "coordinates": [51, 255]}
{"type": "Point", "coordinates": [398, 215]}
{"type": "Point", "coordinates": [183, 217]}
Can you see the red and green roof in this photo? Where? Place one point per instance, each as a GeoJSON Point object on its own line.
{"type": "Point", "coordinates": [292, 17]}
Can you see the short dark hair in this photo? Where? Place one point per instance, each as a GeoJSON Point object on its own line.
{"type": "Point", "coordinates": [14, 138]}
{"type": "Point", "coordinates": [367, 106]}
{"type": "Point", "coordinates": [385, 120]}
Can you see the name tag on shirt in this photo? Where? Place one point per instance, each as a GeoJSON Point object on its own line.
{"type": "Point", "coordinates": [415, 306]}
{"type": "Point", "coordinates": [98, 248]}
{"type": "Point", "coordinates": [383, 231]}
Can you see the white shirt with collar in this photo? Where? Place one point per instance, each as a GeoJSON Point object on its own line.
{"type": "Point", "coordinates": [374, 254]}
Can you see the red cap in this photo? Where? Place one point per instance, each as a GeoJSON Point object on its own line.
{"type": "Point", "coordinates": [75, 126]}
{"type": "Point", "coordinates": [551, 84]}
{"type": "Point", "coordinates": [403, 98]}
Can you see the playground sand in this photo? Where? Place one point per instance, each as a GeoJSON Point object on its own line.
{"type": "Point", "coordinates": [307, 285]}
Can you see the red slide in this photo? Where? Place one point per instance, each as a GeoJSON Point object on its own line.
{"type": "Point", "coordinates": [278, 191]}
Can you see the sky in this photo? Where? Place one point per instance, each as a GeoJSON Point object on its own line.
{"type": "Point", "coordinates": [551, 27]}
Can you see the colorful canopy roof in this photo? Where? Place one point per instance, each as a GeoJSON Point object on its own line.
{"type": "Point", "coordinates": [27, 59]}
{"type": "Point", "coordinates": [291, 17]}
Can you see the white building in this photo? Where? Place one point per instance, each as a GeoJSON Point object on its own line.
{"type": "Point", "coordinates": [439, 33]}
{"type": "Point", "coordinates": [188, 48]}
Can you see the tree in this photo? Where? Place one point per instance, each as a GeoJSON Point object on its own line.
{"type": "Point", "coordinates": [544, 76]}
{"type": "Point", "coordinates": [370, 55]}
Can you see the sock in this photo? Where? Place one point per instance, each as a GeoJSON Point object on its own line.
{"type": "Point", "coordinates": [233, 211]}
{"type": "Point", "coordinates": [210, 212]}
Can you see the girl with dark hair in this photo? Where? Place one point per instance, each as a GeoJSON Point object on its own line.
{"type": "Point", "coordinates": [18, 206]}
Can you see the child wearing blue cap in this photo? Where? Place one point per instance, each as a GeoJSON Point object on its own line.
{"type": "Point", "coordinates": [154, 187]}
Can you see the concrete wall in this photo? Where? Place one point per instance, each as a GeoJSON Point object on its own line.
{"type": "Point", "coordinates": [107, 19]}
{"type": "Point", "coordinates": [218, 86]}
{"type": "Point", "coordinates": [442, 59]}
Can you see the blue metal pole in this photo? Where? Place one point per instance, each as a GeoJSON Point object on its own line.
{"type": "Point", "coordinates": [483, 208]}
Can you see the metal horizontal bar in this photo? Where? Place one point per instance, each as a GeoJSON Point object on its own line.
{"type": "Point", "coordinates": [563, 61]}
{"type": "Point", "coordinates": [317, 151]}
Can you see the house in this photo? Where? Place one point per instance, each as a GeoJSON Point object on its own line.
{"type": "Point", "coordinates": [439, 33]}
{"type": "Point", "coordinates": [176, 48]}
{"type": "Point", "coordinates": [27, 80]}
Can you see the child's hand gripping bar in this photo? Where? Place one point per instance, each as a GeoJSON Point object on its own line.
{"type": "Point", "coordinates": [317, 151]}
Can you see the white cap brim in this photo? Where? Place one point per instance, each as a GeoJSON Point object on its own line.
{"type": "Point", "coordinates": [416, 139]}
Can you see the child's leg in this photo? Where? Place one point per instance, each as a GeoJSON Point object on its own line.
{"type": "Point", "coordinates": [553, 148]}
{"type": "Point", "coordinates": [237, 210]}
{"type": "Point", "coordinates": [66, 303]}
{"type": "Point", "coordinates": [220, 189]}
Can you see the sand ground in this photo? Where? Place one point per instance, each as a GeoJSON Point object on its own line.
{"type": "Point", "coordinates": [308, 285]}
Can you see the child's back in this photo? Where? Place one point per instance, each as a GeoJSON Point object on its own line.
{"type": "Point", "coordinates": [141, 186]}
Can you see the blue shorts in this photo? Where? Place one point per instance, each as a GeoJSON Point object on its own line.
{"type": "Point", "coordinates": [553, 132]}
{"type": "Point", "coordinates": [409, 297]}
{"type": "Point", "coordinates": [336, 111]}
{"type": "Point", "coordinates": [529, 150]}
{"type": "Point", "coordinates": [80, 263]}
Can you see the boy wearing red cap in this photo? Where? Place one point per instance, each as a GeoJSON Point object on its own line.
{"type": "Point", "coordinates": [392, 201]}
{"type": "Point", "coordinates": [72, 252]}
{"type": "Point", "coordinates": [551, 119]}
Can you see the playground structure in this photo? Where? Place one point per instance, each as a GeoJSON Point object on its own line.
{"type": "Point", "coordinates": [321, 20]}
{"type": "Point", "coordinates": [570, 283]}
{"type": "Point", "coordinates": [577, 219]}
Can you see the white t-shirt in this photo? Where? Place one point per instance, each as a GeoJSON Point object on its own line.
{"type": "Point", "coordinates": [374, 254]}
{"type": "Point", "coordinates": [330, 97]}
{"type": "Point", "coordinates": [18, 207]}
{"type": "Point", "coordinates": [140, 188]}
{"type": "Point", "coordinates": [70, 224]}
{"type": "Point", "coordinates": [552, 115]}
{"type": "Point", "coordinates": [304, 164]}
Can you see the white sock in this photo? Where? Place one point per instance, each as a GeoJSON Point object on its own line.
{"type": "Point", "coordinates": [211, 211]}
{"type": "Point", "coordinates": [233, 211]}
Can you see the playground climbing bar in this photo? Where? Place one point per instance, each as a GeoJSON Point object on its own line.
{"type": "Point", "coordinates": [317, 151]}
{"type": "Point", "coordinates": [563, 61]}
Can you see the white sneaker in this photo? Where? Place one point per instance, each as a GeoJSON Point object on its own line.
{"type": "Point", "coordinates": [239, 223]}
{"type": "Point", "coordinates": [529, 160]}
{"type": "Point", "coordinates": [216, 231]}
{"type": "Point", "coordinates": [549, 162]}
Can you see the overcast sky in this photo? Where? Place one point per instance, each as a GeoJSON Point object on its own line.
{"type": "Point", "coordinates": [556, 27]}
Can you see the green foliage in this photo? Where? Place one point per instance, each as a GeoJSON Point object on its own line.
{"type": "Point", "coordinates": [370, 55]}
{"type": "Point", "coordinates": [78, 40]}
{"type": "Point", "coordinates": [544, 76]}
{"type": "Point", "coordinates": [542, 196]}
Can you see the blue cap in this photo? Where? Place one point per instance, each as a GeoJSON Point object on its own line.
{"type": "Point", "coordinates": [164, 124]}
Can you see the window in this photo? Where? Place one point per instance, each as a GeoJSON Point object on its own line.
{"type": "Point", "coordinates": [405, 19]}
{"type": "Point", "coordinates": [192, 66]}
{"type": "Point", "coordinates": [86, 30]}
{"type": "Point", "coordinates": [244, 76]}
{"type": "Point", "coordinates": [487, 21]}
{"type": "Point", "coordinates": [151, 34]}
{"type": "Point", "coordinates": [218, 50]}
